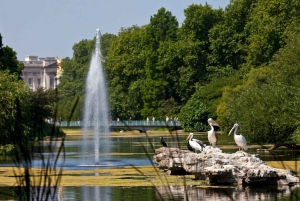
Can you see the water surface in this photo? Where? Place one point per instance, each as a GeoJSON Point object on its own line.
{"type": "Point", "coordinates": [124, 151]}
{"type": "Point", "coordinates": [149, 193]}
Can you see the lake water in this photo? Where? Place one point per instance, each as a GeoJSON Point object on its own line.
{"type": "Point", "coordinates": [126, 151]}
{"type": "Point", "coordinates": [149, 193]}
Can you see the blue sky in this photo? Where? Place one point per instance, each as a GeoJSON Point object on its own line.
{"type": "Point", "coordinates": [51, 28]}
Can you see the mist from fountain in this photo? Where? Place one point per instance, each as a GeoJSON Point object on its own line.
{"type": "Point", "coordinates": [95, 118]}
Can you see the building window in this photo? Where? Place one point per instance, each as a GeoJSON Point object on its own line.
{"type": "Point", "coordinates": [39, 82]}
{"type": "Point", "coordinates": [51, 83]}
{"type": "Point", "coordinates": [30, 81]}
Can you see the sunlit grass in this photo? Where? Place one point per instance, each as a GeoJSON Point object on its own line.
{"type": "Point", "coordinates": [291, 165]}
{"type": "Point", "coordinates": [72, 132]}
{"type": "Point", "coordinates": [125, 176]}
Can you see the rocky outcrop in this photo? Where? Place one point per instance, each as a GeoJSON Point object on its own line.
{"type": "Point", "coordinates": [170, 160]}
{"type": "Point", "coordinates": [222, 168]}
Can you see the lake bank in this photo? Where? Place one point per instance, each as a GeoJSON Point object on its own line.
{"type": "Point", "coordinates": [133, 133]}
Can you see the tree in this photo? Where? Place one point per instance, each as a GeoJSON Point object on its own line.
{"type": "Point", "coordinates": [106, 40]}
{"type": "Point", "coordinates": [256, 109]}
{"type": "Point", "coordinates": [72, 82]}
{"type": "Point", "coordinates": [124, 68]}
{"type": "Point", "coordinates": [194, 113]}
{"type": "Point", "coordinates": [265, 29]}
{"type": "Point", "coordinates": [206, 101]}
{"type": "Point", "coordinates": [12, 89]}
{"type": "Point", "coordinates": [41, 108]}
{"type": "Point", "coordinates": [9, 61]}
{"type": "Point", "coordinates": [228, 38]}
{"type": "Point", "coordinates": [1, 45]}
{"type": "Point", "coordinates": [168, 62]}
{"type": "Point", "coordinates": [162, 29]}
{"type": "Point", "coordinates": [265, 104]}
{"type": "Point", "coordinates": [193, 47]}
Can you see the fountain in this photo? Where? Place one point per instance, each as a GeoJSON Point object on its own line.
{"type": "Point", "coordinates": [95, 118]}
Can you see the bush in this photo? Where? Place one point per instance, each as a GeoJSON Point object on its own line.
{"type": "Point", "coordinates": [194, 113]}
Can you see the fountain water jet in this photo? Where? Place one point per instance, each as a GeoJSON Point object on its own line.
{"type": "Point", "coordinates": [95, 118]}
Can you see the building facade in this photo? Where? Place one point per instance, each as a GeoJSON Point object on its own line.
{"type": "Point", "coordinates": [40, 72]}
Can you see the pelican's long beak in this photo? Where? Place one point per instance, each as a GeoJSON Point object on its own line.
{"type": "Point", "coordinates": [212, 122]}
{"type": "Point", "coordinates": [215, 123]}
{"type": "Point", "coordinates": [232, 129]}
{"type": "Point", "coordinates": [187, 139]}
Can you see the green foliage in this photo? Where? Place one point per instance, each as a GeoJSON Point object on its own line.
{"type": "Point", "coordinates": [72, 81]}
{"type": "Point", "coordinates": [266, 113]}
{"type": "Point", "coordinates": [206, 102]}
{"type": "Point", "coordinates": [68, 86]}
{"type": "Point", "coordinates": [199, 19]}
{"type": "Point", "coordinates": [8, 60]}
{"type": "Point", "coordinates": [163, 27]}
{"type": "Point", "coordinates": [106, 40]}
{"type": "Point", "coordinates": [67, 106]}
{"type": "Point", "coordinates": [265, 105]}
{"type": "Point", "coordinates": [7, 149]}
{"type": "Point", "coordinates": [193, 47]}
{"type": "Point", "coordinates": [138, 68]}
{"type": "Point", "coordinates": [266, 26]}
{"type": "Point", "coordinates": [161, 30]}
{"type": "Point", "coordinates": [1, 45]}
{"type": "Point", "coordinates": [194, 113]}
{"type": "Point", "coordinates": [11, 88]}
{"type": "Point", "coordinates": [296, 135]}
{"type": "Point", "coordinates": [41, 104]}
{"type": "Point", "coordinates": [168, 62]}
{"type": "Point", "coordinates": [189, 71]}
{"type": "Point", "coordinates": [33, 107]}
{"type": "Point", "coordinates": [227, 38]}
{"type": "Point", "coordinates": [124, 68]}
{"type": "Point", "coordinates": [77, 68]}
{"type": "Point", "coordinates": [205, 68]}
{"type": "Point", "coordinates": [169, 108]}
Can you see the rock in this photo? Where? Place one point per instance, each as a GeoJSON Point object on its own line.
{"type": "Point", "coordinates": [170, 160]}
{"type": "Point", "coordinates": [222, 168]}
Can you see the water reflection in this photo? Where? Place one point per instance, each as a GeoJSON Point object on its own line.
{"type": "Point", "coordinates": [150, 193]}
{"type": "Point", "coordinates": [229, 193]}
{"type": "Point", "coordinates": [124, 151]}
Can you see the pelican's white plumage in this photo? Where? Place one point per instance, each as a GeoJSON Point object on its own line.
{"type": "Point", "coordinates": [194, 143]}
{"type": "Point", "coordinates": [239, 139]}
{"type": "Point", "coordinates": [212, 136]}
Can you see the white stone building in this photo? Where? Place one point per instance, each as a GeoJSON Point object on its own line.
{"type": "Point", "coordinates": [40, 72]}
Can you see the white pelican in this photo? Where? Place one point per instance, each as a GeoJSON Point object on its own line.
{"type": "Point", "coordinates": [163, 142]}
{"type": "Point", "coordinates": [195, 144]}
{"type": "Point", "coordinates": [212, 136]}
{"type": "Point", "coordinates": [239, 139]}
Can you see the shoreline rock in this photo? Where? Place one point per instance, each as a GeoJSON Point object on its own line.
{"type": "Point", "coordinates": [222, 168]}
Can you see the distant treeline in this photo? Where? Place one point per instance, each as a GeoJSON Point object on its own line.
{"type": "Point", "coordinates": [237, 65]}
